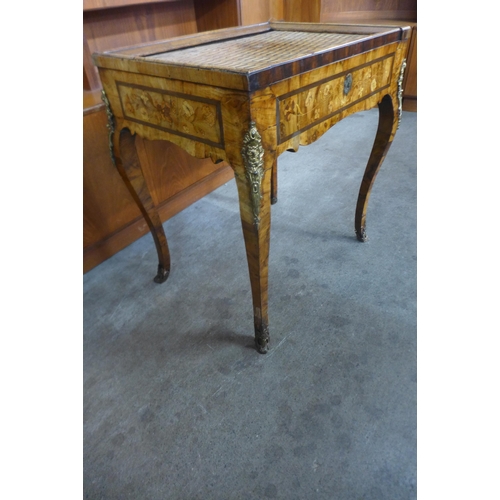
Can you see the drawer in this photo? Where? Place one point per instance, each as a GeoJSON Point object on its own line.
{"type": "Point", "coordinates": [302, 109]}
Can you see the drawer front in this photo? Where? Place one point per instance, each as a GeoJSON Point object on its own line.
{"type": "Point", "coordinates": [185, 115]}
{"type": "Point", "coordinates": [304, 108]}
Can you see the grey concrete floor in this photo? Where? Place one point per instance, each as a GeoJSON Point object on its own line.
{"type": "Point", "coordinates": [179, 405]}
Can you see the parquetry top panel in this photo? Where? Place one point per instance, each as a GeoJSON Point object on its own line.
{"type": "Point", "coordinates": [253, 53]}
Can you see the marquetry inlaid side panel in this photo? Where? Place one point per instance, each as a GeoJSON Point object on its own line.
{"type": "Point", "coordinates": [181, 114]}
{"type": "Point", "coordinates": [302, 109]}
{"type": "Point", "coordinates": [198, 118]}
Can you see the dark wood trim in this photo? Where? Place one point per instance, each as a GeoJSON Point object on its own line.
{"type": "Point", "coordinates": [344, 28]}
{"type": "Point", "coordinates": [261, 79]}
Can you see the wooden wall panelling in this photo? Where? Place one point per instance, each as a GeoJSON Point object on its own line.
{"type": "Point", "coordinates": [362, 11]}
{"type": "Point", "coordinates": [217, 14]}
{"type": "Point", "coordinates": [119, 27]}
{"type": "Point", "coordinates": [261, 11]}
{"type": "Point", "coordinates": [107, 205]}
{"type": "Point", "coordinates": [170, 169]}
{"type": "Point", "coordinates": [258, 11]}
{"type": "Point", "coordinates": [90, 75]}
{"type": "Point", "coordinates": [410, 84]}
{"type": "Point", "coordinates": [306, 11]}
{"type": "Point", "coordinates": [350, 11]}
{"type": "Point", "coordinates": [106, 4]}
{"type": "Point", "coordinates": [277, 10]}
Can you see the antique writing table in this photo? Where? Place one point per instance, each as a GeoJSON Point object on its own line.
{"type": "Point", "coordinates": [246, 95]}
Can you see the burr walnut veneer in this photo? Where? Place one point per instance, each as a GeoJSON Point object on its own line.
{"type": "Point", "coordinates": [245, 95]}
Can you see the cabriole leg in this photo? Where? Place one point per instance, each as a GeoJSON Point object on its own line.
{"type": "Point", "coordinates": [128, 165]}
{"type": "Point", "coordinates": [253, 179]}
{"type": "Point", "coordinates": [387, 125]}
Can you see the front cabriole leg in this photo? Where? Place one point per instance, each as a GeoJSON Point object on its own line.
{"type": "Point", "coordinates": [253, 178]}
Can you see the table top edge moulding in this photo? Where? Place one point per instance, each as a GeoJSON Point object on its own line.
{"type": "Point", "coordinates": [246, 95]}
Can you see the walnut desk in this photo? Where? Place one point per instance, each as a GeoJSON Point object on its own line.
{"type": "Point", "coordinates": [245, 95]}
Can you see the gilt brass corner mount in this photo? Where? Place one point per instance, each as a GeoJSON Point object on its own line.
{"type": "Point", "coordinates": [400, 91]}
{"type": "Point", "coordinates": [110, 126]}
{"type": "Point", "coordinates": [262, 339]}
{"type": "Point", "coordinates": [253, 158]}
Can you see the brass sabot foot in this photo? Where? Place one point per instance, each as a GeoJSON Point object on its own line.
{"type": "Point", "coordinates": [262, 339]}
{"type": "Point", "coordinates": [361, 235]}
